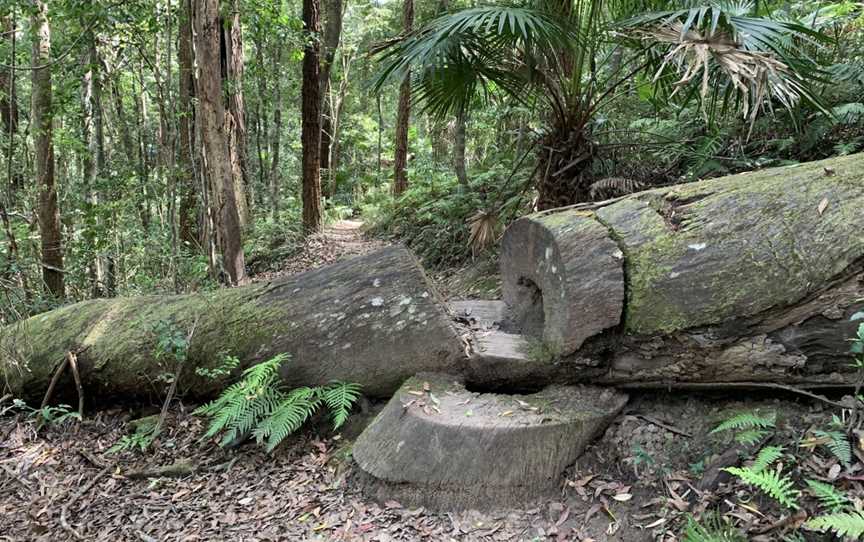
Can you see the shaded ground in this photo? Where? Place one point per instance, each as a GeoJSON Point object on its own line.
{"type": "Point", "coordinates": [636, 483]}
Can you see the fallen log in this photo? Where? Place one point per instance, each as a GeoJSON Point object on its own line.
{"type": "Point", "coordinates": [374, 320]}
{"type": "Point", "coordinates": [751, 277]}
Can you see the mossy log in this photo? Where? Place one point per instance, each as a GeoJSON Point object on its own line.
{"type": "Point", "coordinates": [374, 320]}
{"type": "Point", "coordinates": [751, 277]}
{"type": "Point", "coordinates": [439, 445]}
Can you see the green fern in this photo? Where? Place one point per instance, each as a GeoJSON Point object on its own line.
{"type": "Point", "coordinates": [771, 483]}
{"type": "Point", "coordinates": [258, 406]}
{"type": "Point", "coordinates": [828, 496]}
{"type": "Point", "coordinates": [747, 421]}
{"type": "Point", "coordinates": [766, 456]}
{"type": "Point", "coordinates": [838, 444]}
{"type": "Point", "coordinates": [750, 436]}
{"type": "Point", "coordinates": [849, 524]}
{"type": "Point", "coordinates": [712, 528]}
{"type": "Point", "coordinates": [339, 398]}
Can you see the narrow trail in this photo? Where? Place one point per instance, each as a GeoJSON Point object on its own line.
{"type": "Point", "coordinates": [342, 239]}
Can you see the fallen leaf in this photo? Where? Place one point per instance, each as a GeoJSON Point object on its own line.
{"type": "Point", "coordinates": [822, 206]}
{"type": "Point", "coordinates": [622, 497]}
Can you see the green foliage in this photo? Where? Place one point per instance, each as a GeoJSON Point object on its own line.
{"type": "Point", "coordinates": [750, 437]}
{"type": "Point", "coordinates": [838, 444]}
{"type": "Point", "coordinates": [257, 405]}
{"type": "Point", "coordinates": [228, 364]}
{"type": "Point", "coordinates": [850, 524]}
{"type": "Point", "coordinates": [47, 415]}
{"type": "Point", "coordinates": [828, 496]}
{"type": "Point", "coordinates": [139, 440]}
{"type": "Point", "coordinates": [765, 457]}
{"type": "Point", "coordinates": [747, 421]}
{"type": "Point", "coordinates": [780, 488]}
{"type": "Point", "coordinates": [172, 342]}
{"type": "Point", "coordinates": [712, 528]}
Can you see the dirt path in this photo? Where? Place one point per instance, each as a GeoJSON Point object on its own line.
{"type": "Point", "coordinates": [339, 240]}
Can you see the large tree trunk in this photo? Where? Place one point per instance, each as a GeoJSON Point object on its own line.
{"type": "Point", "coordinates": [751, 277]}
{"type": "Point", "coordinates": [236, 111]}
{"type": "Point", "coordinates": [42, 126]}
{"type": "Point", "coordinates": [311, 119]}
{"type": "Point", "coordinates": [374, 320]}
{"type": "Point", "coordinates": [332, 34]}
{"type": "Point", "coordinates": [403, 114]}
{"type": "Point", "coordinates": [211, 122]}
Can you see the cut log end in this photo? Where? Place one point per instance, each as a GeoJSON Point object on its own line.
{"type": "Point", "coordinates": [439, 445]}
{"type": "Point", "coordinates": [562, 278]}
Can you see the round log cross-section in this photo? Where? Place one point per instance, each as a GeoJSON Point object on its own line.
{"type": "Point", "coordinates": [562, 278]}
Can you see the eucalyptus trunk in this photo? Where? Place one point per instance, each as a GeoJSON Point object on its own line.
{"type": "Point", "coordinates": [403, 114]}
{"type": "Point", "coordinates": [311, 119]}
{"type": "Point", "coordinates": [42, 127]}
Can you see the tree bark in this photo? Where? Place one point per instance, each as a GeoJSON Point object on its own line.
{"type": "Point", "coordinates": [333, 10]}
{"type": "Point", "coordinates": [185, 155]}
{"type": "Point", "coordinates": [215, 146]}
{"type": "Point", "coordinates": [403, 113]}
{"type": "Point", "coordinates": [311, 119]}
{"type": "Point", "coordinates": [236, 111]}
{"type": "Point", "coordinates": [275, 176]}
{"type": "Point", "coordinates": [752, 277]}
{"type": "Point", "coordinates": [374, 320]}
{"type": "Point", "coordinates": [42, 126]}
{"type": "Point", "coordinates": [9, 106]}
{"type": "Point", "coordinates": [459, 149]}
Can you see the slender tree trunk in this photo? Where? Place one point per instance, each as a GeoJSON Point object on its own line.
{"type": "Point", "coordinates": [311, 119]}
{"type": "Point", "coordinates": [42, 120]}
{"type": "Point", "coordinates": [275, 179]}
{"type": "Point", "coordinates": [459, 149]}
{"type": "Point", "coordinates": [214, 143]}
{"type": "Point", "coordinates": [236, 111]}
{"type": "Point", "coordinates": [333, 10]}
{"type": "Point", "coordinates": [400, 158]}
{"type": "Point", "coordinates": [94, 163]}
{"type": "Point", "coordinates": [185, 166]}
{"type": "Point", "coordinates": [380, 132]}
{"type": "Point", "coordinates": [9, 108]}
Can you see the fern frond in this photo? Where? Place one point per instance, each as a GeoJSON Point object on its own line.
{"type": "Point", "coordinates": [750, 436]}
{"type": "Point", "coordinates": [838, 444]}
{"type": "Point", "coordinates": [828, 496]}
{"type": "Point", "coordinates": [849, 524]}
{"type": "Point", "coordinates": [765, 457]}
{"type": "Point", "coordinates": [613, 186]}
{"type": "Point", "coordinates": [769, 482]}
{"type": "Point", "coordinates": [287, 418]}
{"type": "Point", "coordinates": [712, 528]}
{"type": "Point", "coordinates": [340, 398]}
{"type": "Point", "coordinates": [747, 420]}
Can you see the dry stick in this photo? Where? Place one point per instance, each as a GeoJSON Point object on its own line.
{"type": "Point", "coordinates": [173, 388]}
{"type": "Point", "coordinates": [75, 497]}
{"type": "Point", "coordinates": [667, 427]}
{"type": "Point", "coordinates": [53, 383]}
{"type": "Point", "coordinates": [719, 386]}
{"type": "Point", "coordinates": [73, 362]}
{"type": "Point", "coordinates": [5, 398]}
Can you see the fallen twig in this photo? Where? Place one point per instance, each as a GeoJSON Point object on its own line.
{"type": "Point", "coordinates": [658, 423]}
{"type": "Point", "coordinates": [65, 508]}
{"type": "Point", "coordinates": [173, 388]}
{"type": "Point", "coordinates": [719, 386]}
{"type": "Point", "coordinates": [178, 469]}
{"type": "Point", "coordinates": [13, 475]}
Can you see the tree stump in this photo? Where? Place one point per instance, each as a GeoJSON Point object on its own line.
{"type": "Point", "coordinates": [439, 445]}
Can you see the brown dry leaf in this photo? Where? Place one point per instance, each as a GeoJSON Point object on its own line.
{"type": "Point", "coordinates": [822, 206]}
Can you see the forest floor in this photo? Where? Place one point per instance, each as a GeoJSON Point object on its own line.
{"type": "Point", "coordinates": [639, 481]}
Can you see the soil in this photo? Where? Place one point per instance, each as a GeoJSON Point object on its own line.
{"type": "Point", "coordinates": [639, 481]}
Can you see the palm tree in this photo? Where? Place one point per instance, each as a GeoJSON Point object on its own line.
{"type": "Point", "coordinates": [574, 57]}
